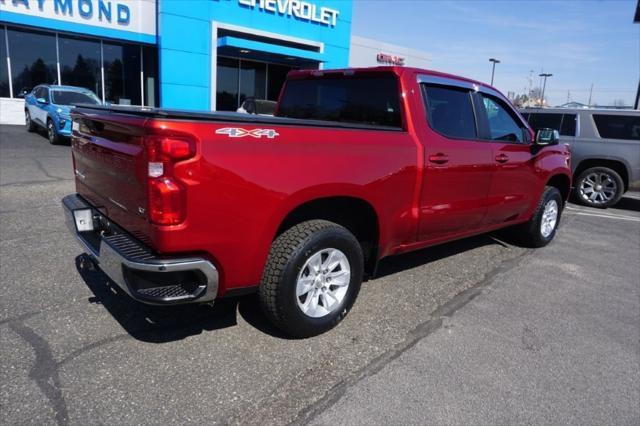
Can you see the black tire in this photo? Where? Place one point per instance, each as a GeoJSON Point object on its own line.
{"type": "Point", "coordinates": [52, 133]}
{"type": "Point", "coordinates": [31, 127]}
{"type": "Point", "coordinates": [288, 255]}
{"type": "Point", "coordinates": [530, 233]}
{"type": "Point", "coordinates": [607, 198]}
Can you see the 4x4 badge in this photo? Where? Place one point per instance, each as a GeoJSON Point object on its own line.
{"type": "Point", "coordinates": [237, 132]}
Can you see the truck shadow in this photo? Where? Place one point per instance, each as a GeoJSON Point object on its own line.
{"type": "Point", "coordinates": [160, 324]}
{"type": "Point", "coordinates": [155, 324]}
{"type": "Point", "coordinates": [625, 204]}
{"type": "Point", "coordinates": [628, 204]}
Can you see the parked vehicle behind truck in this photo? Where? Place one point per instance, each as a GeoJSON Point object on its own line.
{"type": "Point", "coordinates": [48, 107]}
{"type": "Point", "coordinates": [605, 150]}
{"type": "Point", "coordinates": [358, 165]}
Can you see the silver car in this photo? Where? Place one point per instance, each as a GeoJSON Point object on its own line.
{"type": "Point", "coordinates": [605, 150]}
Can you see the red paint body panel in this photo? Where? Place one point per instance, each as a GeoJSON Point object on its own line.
{"type": "Point", "coordinates": [239, 190]}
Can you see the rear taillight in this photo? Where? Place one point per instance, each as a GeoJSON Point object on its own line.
{"type": "Point", "coordinates": [167, 195]}
{"type": "Point", "coordinates": [166, 202]}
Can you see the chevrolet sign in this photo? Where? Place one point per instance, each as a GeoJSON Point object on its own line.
{"type": "Point", "coordinates": [296, 8]}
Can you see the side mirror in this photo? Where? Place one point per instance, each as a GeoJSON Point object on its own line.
{"type": "Point", "coordinates": [546, 137]}
{"type": "Point", "coordinates": [42, 101]}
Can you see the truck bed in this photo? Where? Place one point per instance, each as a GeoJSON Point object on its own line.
{"type": "Point", "coordinates": [220, 116]}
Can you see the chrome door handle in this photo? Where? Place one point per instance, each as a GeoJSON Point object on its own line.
{"type": "Point", "coordinates": [439, 158]}
{"type": "Point", "coordinates": [502, 158]}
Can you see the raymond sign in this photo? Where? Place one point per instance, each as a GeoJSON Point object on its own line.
{"type": "Point", "coordinates": [384, 58]}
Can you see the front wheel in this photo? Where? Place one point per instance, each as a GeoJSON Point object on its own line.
{"type": "Point", "coordinates": [542, 227]}
{"type": "Point", "coordinates": [52, 134]}
{"type": "Point", "coordinates": [31, 127]}
{"type": "Point", "coordinates": [312, 278]}
{"type": "Point", "coordinates": [598, 187]}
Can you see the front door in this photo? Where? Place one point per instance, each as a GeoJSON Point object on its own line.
{"type": "Point", "coordinates": [458, 165]}
{"type": "Point", "coordinates": [514, 176]}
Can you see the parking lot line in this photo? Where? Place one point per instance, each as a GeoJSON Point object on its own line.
{"type": "Point", "coordinates": [605, 215]}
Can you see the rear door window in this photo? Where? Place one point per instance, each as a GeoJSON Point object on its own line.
{"type": "Point", "coordinates": [563, 123]}
{"type": "Point", "coordinates": [364, 99]}
{"type": "Point", "coordinates": [543, 120]}
{"type": "Point", "coordinates": [618, 126]}
{"type": "Point", "coordinates": [568, 127]}
{"type": "Point", "coordinates": [450, 111]}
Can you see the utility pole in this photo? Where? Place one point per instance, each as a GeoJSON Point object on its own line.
{"type": "Point", "coordinates": [590, 93]}
{"type": "Point", "coordinates": [493, 68]}
{"type": "Point", "coordinates": [544, 86]}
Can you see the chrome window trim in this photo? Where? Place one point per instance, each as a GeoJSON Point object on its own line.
{"type": "Point", "coordinates": [445, 81]}
{"type": "Point", "coordinates": [462, 84]}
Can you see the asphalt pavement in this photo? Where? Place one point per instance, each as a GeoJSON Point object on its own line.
{"type": "Point", "coordinates": [473, 332]}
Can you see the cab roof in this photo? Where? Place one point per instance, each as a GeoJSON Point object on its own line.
{"type": "Point", "coordinates": [397, 70]}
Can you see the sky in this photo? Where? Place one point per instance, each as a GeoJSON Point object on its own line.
{"type": "Point", "coordinates": [581, 42]}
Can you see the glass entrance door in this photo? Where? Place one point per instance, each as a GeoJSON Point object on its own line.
{"type": "Point", "coordinates": [239, 79]}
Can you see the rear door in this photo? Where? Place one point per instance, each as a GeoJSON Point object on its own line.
{"type": "Point", "coordinates": [458, 165]}
{"type": "Point", "coordinates": [510, 193]}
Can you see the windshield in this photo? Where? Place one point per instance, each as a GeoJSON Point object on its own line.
{"type": "Point", "coordinates": [66, 97]}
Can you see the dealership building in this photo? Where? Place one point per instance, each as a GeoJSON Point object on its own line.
{"type": "Point", "coordinates": [188, 54]}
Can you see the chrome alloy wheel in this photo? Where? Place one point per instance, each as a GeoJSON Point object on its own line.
{"type": "Point", "coordinates": [323, 282]}
{"type": "Point", "coordinates": [598, 188]}
{"type": "Point", "coordinates": [549, 218]}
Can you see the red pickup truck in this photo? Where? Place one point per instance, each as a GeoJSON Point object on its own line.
{"type": "Point", "coordinates": [357, 164]}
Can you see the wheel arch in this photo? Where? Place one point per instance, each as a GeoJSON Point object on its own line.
{"type": "Point", "coordinates": [354, 213]}
{"type": "Point", "coordinates": [562, 182]}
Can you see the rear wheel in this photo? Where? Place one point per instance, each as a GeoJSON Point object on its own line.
{"type": "Point", "coordinates": [52, 133]}
{"type": "Point", "coordinates": [312, 278]}
{"type": "Point", "coordinates": [31, 127]}
{"type": "Point", "coordinates": [599, 187]}
{"type": "Point", "coordinates": [542, 227]}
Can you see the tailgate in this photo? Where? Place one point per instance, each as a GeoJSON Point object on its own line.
{"type": "Point", "coordinates": [110, 166]}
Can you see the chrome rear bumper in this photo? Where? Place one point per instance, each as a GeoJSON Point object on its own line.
{"type": "Point", "coordinates": [136, 269]}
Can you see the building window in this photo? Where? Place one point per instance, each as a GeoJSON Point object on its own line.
{"type": "Point", "coordinates": [4, 70]}
{"type": "Point", "coordinates": [253, 80]}
{"type": "Point", "coordinates": [33, 59]}
{"type": "Point", "coordinates": [130, 70]}
{"type": "Point", "coordinates": [150, 67]}
{"type": "Point", "coordinates": [239, 79]}
{"type": "Point", "coordinates": [277, 77]}
{"type": "Point", "coordinates": [80, 63]}
{"type": "Point", "coordinates": [122, 64]}
{"type": "Point", "coordinates": [227, 84]}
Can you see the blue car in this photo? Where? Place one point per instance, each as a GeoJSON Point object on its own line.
{"type": "Point", "coordinates": [48, 106]}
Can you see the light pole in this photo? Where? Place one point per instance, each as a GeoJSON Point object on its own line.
{"type": "Point", "coordinates": [544, 86]}
{"type": "Point", "coordinates": [493, 69]}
